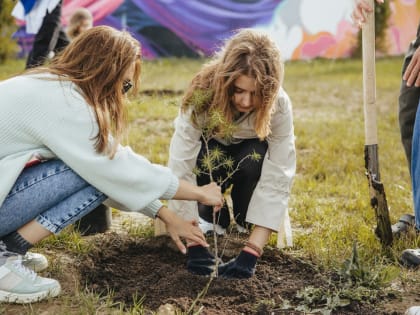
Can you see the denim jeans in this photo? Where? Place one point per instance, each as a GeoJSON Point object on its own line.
{"type": "Point", "coordinates": [415, 168]}
{"type": "Point", "coordinates": [52, 194]}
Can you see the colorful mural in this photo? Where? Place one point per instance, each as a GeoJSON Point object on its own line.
{"type": "Point", "coordinates": [303, 29]}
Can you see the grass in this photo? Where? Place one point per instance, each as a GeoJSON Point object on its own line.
{"type": "Point", "coordinates": [329, 205]}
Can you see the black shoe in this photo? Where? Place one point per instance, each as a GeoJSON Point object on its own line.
{"type": "Point", "coordinates": [411, 258]}
{"type": "Point", "coordinates": [96, 221]}
{"type": "Point", "coordinates": [403, 225]}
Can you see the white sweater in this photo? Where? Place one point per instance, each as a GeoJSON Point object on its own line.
{"type": "Point", "coordinates": [51, 119]}
{"type": "Point", "coordinates": [269, 202]}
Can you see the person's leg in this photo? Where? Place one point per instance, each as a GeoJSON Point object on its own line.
{"type": "Point", "coordinates": [42, 45]}
{"type": "Point", "coordinates": [62, 41]}
{"type": "Point", "coordinates": [203, 178]}
{"type": "Point", "coordinates": [45, 199]}
{"type": "Point", "coordinates": [247, 176]}
{"type": "Point", "coordinates": [407, 107]}
{"type": "Point", "coordinates": [52, 194]}
{"type": "Point", "coordinates": [415, 169]}
{"type": "Point", "coordinates": [408, 102]}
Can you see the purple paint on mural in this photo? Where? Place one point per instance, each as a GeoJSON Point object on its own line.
{"type": "Point", "coordinates": [203, 24]}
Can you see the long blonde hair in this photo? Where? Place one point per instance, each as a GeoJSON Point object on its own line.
{"type": "Point", "coordinates": [96, 61]}
{"type": "Point", "coordinates": [249, 53]}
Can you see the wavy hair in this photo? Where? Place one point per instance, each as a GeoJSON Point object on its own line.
{"type": "Point", "coordinates": [250, 53]}
{"type": "Point", "coordinates": [96, 61]}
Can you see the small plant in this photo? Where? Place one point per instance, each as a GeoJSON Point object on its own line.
{"type": "Point", "coordinates": [213, 123]}
{"type": "Point", "coordinates": [355, 273]}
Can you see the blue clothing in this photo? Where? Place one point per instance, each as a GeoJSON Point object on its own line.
{"type": "Point", "coordinates": [51, 193]}
{"type": "Point", "coordinates": [415, 168]}
{"type": "Point", "coordinates": [28, 5]}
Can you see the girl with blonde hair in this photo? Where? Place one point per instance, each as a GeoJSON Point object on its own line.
{"type": "Point", "coordinates": [236, 116]}
{"type": "Point", "coordinates": [60, 155]}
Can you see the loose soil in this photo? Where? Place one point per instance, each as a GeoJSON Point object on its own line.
{"type": "Point", "coordinates": [153, 269]}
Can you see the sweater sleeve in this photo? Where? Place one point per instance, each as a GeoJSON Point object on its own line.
{"type": "Point", "coordinates": [183, 151]}
{"type": "Point", "coordinates": [269, 202]}
{"type": "Point", "coordinates": [129, 179]}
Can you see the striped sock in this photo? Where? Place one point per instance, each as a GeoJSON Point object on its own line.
{"type": "Point", "coordinates": [15, 243]}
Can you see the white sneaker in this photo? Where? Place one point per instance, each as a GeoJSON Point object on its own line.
{"type": "Point", "coordinates": [207, 227]}
{"type": "Point", "coordinates": [19, 284]}
{"type": "Point", "coordinates": [241, 229]}
{"type": "Point", "coordinates": [414, 310]}
{"type": "Point", "coordinates": [36, 262]}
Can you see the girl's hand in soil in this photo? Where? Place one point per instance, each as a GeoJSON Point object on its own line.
{"type": "Point", "coordinates": [178, 227]}
{"type": "Point", "coordinates": [200, 260]}
{"type": "Point", "coordinates": [241, 267]}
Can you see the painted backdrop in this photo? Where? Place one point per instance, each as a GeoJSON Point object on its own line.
{"type": "Point", "coordinates": [303, 29]}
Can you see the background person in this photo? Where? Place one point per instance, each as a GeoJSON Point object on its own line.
{"type": "Point", "coordinates": [81, 20]}
{"type": "Point", "coordinates": [409, 128]}
{"type": "Point", "coordinates": [243, 82]}
{"type": "Point", "coordinates": [43, 18]}
{"type": "Point", "coordinates": [408, 100]}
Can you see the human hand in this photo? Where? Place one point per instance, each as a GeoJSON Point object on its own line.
{"type": "Point", "coordinates": [212, 196]}
{"type": "Point", "coordinates": [178, 227]}
{"type": "Point", "coordinates": [361, 10]}
{"type": "Point", "coordinates": [200, 261]}
{"type": "Point", "coordinates": [241, 267]}
{"type": "Point", "coordinates": [411, 74]}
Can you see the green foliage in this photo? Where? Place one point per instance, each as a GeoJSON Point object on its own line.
{"type": "Point", "coordinates": [200, 100]}
{"type": "Point", "coordinates": [210, 120]}
{"type": "Point", "coordinates": [8, 46]}
{"type": "Point", "coordinates": [68, 240]}
{"type": "Point", "coordinates": [382, 14]}
{"type": "Point", "coordinates": [138, 230]}
{"type": "Point", "coordinates": [355, 272]}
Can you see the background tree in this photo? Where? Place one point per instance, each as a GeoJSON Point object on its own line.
{"type": "Point", "coordinates": [8, 46]}
{"type": "Point", "coordinates": [382, 14]}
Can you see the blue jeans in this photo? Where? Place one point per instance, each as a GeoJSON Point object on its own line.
{"type": "Point", "coordinates": [52, 194]}
{"type": "Point", "coordinates": [415, 168]}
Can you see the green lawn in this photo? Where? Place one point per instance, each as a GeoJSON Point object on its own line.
{"type": "Point", "coordinates": [329, 205]}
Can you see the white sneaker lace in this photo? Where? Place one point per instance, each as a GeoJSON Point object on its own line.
{"type": "Point", "coordinates": [24, 270]}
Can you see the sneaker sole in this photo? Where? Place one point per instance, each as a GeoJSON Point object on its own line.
{"type": "Point", "coordinates": [10, 297]}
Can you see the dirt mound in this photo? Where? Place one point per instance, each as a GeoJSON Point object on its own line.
{"type": "Point", "coordinates": [153, 268]}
